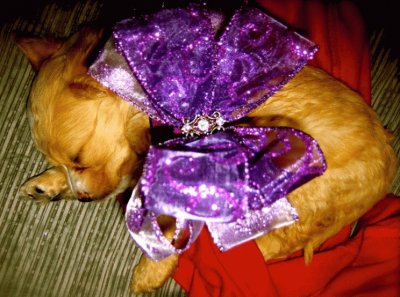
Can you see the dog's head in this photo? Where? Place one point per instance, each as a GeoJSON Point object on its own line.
{"type": "Point", "coordinates": [76, 123]}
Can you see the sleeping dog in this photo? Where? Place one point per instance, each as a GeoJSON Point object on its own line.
{"type": "Point", "coordinates": [96, 143]}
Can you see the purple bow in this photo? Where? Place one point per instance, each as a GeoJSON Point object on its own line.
{"type": "Point", "coordinates": [183, 69]}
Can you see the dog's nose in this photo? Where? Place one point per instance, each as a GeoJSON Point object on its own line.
{"type": "Point", "coordinates": [84, 197]}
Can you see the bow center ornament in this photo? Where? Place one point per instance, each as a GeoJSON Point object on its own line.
{"type": "Point", "coordinates": [184, 69]}
{"type": "Point", "coordinates": [203, 124]}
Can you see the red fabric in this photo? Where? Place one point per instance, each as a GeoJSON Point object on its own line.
{"type": "Point", "coordinates": [338, 29]}
{"type": "Point", "coordinates": [366, 265]}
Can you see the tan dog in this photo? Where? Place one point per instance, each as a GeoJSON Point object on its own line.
{"type": "Point", "coordinates": [94, 139]}
{"type": "Point", "coordinates": [96, 142]}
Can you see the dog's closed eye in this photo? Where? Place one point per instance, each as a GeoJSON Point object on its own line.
{"type": "Point", "coordinates": [79, 169]}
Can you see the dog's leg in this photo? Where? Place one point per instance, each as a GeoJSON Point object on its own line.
{"type": "Point", "coordinates": [50, 185]}
{"type": "Point", "coordinates": [149, 275]}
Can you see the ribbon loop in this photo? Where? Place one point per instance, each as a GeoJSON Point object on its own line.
{"type": "Point", "coordinates": [148, 235]}
{"type": "Point", "coordinates": [188, 70]}
{"type": "Point", "coordinates": [203, 179]}
{"type": "Point", "coordinates": [234, 181]}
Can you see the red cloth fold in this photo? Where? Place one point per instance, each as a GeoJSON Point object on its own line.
{"type": "Point", "coordinates": [339, 30]}
{"type": "Point", "coordinates": [367, 264]}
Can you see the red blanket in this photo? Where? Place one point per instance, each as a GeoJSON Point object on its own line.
{"type": "Point", "coordinates": [367, 264]}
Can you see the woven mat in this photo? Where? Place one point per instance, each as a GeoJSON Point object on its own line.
{"type": "Point", "coordinates": [69, 248]}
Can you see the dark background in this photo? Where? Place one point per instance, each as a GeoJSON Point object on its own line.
{"type": "Point", "coordinates": [380, 14]}
{"type": "Point", "coordinates": [383, 14]}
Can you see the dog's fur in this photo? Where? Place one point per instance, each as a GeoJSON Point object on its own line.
{"type": "Point", "coordinates": [96, 142]}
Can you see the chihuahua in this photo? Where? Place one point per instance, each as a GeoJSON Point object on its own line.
{"type": "Point", "coordinates": [96, 143]}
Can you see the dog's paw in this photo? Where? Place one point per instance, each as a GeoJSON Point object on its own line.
{"type": "Point", "coordinates": [50, 185]}
{"type": "Point", "coordinates": [149, 275]}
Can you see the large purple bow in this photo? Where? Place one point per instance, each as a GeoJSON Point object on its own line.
{"type": "Point", "coordinates": [182, 68]}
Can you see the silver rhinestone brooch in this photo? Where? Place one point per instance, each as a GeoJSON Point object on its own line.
{"type": "Point", "coordinates": [203, 124]}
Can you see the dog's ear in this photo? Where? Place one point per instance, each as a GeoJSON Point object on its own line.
{"type": "Point", "coordinates": [37, 49]}
{"type": "Point", "coordinates": [81, 49]}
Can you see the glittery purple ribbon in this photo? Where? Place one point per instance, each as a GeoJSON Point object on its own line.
{"type": "Point", "coordinates": [183, 69]}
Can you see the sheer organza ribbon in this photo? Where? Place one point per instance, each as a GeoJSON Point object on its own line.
{"type": "Point", "coordinates": [184, 69]}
